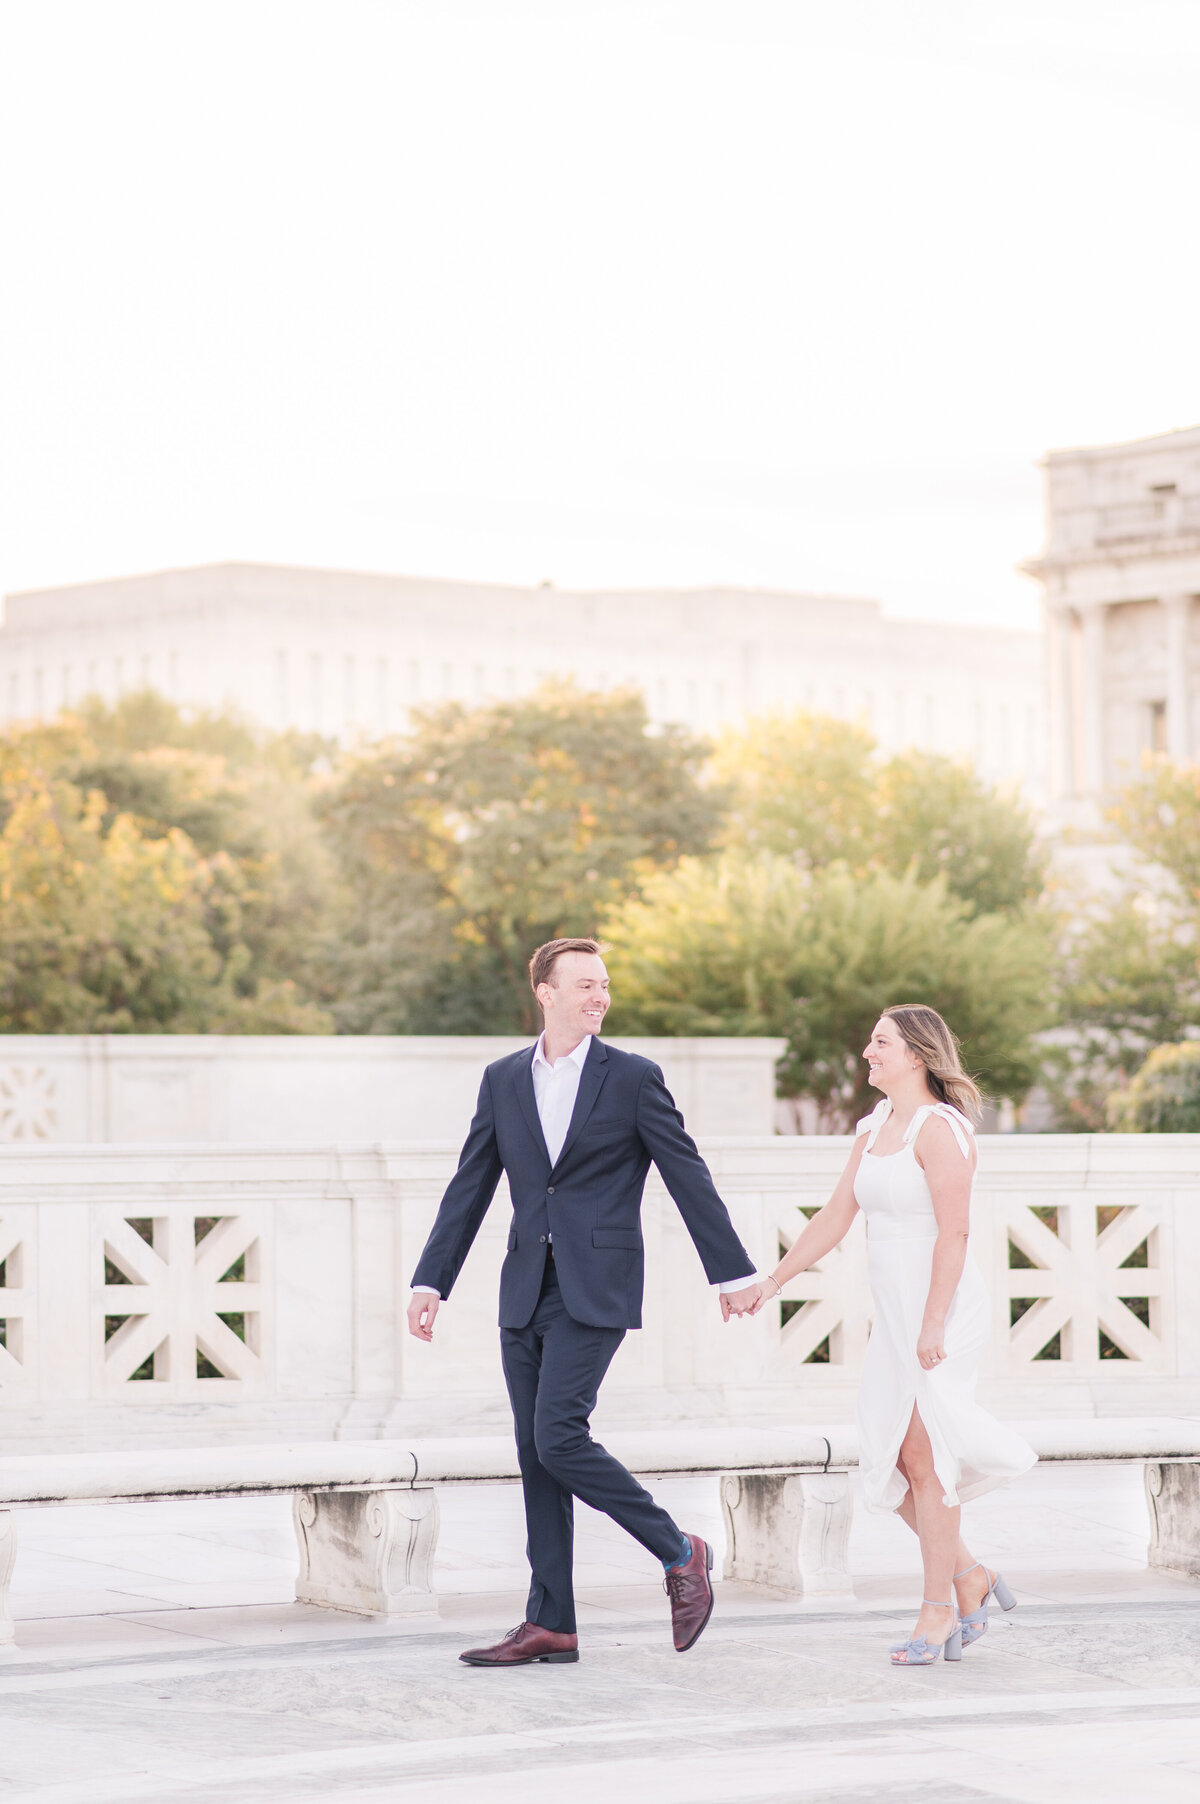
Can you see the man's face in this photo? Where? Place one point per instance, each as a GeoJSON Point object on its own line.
{"type": "Point", "coordinates": [576, 1002]}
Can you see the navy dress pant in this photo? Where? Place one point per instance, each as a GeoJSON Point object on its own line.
{"type": "Point", "coordinates": [554, 1369]}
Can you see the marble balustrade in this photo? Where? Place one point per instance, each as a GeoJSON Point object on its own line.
{"type": "Point", "coordinates": [174, 1295]}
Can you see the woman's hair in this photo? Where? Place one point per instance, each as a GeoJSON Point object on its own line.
{"type": "Point", "coordinates": [926, 1034]}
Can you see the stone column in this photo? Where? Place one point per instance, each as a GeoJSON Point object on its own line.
{"type": "Point", "coordinates": [1092, 701]}
{"type": "Point", "coordinates": [1178, 723]}
{"type": "Point", "coordinates": [1062, 761]}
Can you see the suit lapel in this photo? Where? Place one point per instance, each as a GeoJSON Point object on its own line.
{"type": "Point", "coordinates": [528, 1101]}
{"type": "Point", "coordinates": [595, 1070]}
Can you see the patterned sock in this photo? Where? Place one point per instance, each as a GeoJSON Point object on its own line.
{"type": "Point", "coordinates": [684, 1557]}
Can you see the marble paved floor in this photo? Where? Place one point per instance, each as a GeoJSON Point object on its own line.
{"type": "Point", "coordinates": [160, 1661]}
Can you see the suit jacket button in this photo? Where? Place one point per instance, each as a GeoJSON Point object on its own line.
{"type": "Point", "coordinates": [550, 1190]}
{"type": "Point", "coordinates": [541, 1240]}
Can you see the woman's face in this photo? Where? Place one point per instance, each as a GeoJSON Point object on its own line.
{"type": "Point", "coordinates": [889, 1060]}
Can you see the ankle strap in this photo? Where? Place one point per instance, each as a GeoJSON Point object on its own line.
{"type": "Point", "coordinates": [967, 1569]}
{"type": "Point", "coordinates": [937, 1604]}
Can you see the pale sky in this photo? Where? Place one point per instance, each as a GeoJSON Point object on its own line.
{"type": "Point", "coordinates": [769, 292]}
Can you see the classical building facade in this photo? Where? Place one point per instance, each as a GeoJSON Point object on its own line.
{"type": "Point", "coordinates": [351, 655]}
{"type": "Point", "coordinates": [1121, 581]}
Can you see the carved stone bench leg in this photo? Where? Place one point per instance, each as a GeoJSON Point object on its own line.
{"type": "Point", "coordinates": [8, 1559]}
{"type": "Point", "coordinates": [367, 1551]}
{"type": "Point", "coordinates": [1173, 1496]}
{"type": "Point", "coordinates": [789, 1531]}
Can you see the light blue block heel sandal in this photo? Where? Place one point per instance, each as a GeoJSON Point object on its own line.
{"type": "Point", "coordinates": [974, 1624]}
{"type": "Point", "coordinates": [918, 1651]}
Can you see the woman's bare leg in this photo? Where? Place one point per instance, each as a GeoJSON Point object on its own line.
{"type": "Point", "coordinates": [937, 1527]}
{"type": "Point", "coordinates": [969, 1590]}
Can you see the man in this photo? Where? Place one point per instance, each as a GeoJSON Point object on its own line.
{"type": "Point", "coordinates": [575, 1125]}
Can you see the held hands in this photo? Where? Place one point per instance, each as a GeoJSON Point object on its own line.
{"type": "Point", "coordinates": [739, 1302]}
{"type": "Point", "coordinates": [931, 1348]}
{"type": "Point", "coordinates": [421, 1312]}
{"type": "Point", "coordinates": [768, 1290]}
{"type": "Point", "coordinates": [750, 1300]}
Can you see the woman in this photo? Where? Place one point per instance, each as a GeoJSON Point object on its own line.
{"type": "Point", "coordinates": [925, 1445]}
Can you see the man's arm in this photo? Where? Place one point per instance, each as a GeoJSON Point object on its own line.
{"type": "Point", "coordinates": [725, 1260]}
{"type": "Point", "coordinates": [461, 1211]}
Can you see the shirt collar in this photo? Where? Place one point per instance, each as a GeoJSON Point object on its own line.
{"type": "Point", "coordinates": [577, 1057]}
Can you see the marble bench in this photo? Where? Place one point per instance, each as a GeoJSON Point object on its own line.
{"type": "Point", "coordinates": [366, 1512]}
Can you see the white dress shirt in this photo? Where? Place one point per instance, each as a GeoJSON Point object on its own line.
{"type": "Point", "coordinates": [555, 1088]}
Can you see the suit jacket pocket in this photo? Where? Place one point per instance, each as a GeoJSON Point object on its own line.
{"type": "Point", "coordinates": [626, 1239]}
{"type": "Point", "coordinates": [602, 1133]}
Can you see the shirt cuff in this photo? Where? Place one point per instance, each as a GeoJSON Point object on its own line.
{"type": "Point", "coordinates": [737, 1283]}
{"type": "Point", "coordinates": [426, 1290]}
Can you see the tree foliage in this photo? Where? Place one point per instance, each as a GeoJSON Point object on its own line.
{"type": "Point", "coordinates": [485, 832]}
{"type": "Point", "coordinates": [1159, 814]}
{"type": "Point", "coordinates": [1126, 979]}
{"type": "Point", "coordinates": [160, 875]}
{"type": "Point", "coordinates": [814, 789]}
{"type": "Point", "coordinates": [1164, 1096]}
{"type": "Point", "coordinates": [760, 946]}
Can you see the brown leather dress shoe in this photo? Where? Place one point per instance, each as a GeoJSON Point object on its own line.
{"type": "Point", "coordinates": [527, 1643]}
{"type": "Point", "coordinates": [690, 1591]}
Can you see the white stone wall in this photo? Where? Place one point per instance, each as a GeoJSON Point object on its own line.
{"type": "Point", "coordinates": [351, 654]}
{"type": "Point", "coordinates": [313, 1248]}
{"type": "Point", "coordinates": [215, 1088]}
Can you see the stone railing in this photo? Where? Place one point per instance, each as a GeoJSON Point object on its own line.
{"type": "Point", "coordinates": [281, 1088]}
{"type": "Point", "coordinates": [178, 1294]}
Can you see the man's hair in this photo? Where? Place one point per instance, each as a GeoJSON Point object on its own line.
{"type": "Point", "coordinates": [541, 965]}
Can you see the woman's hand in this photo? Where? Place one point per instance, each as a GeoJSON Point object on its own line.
{"type": "Point", "coordinates": [768, 1290]}
{"type": "Point", "coordinates": [931, 1345]}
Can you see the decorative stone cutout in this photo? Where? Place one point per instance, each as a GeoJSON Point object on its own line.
{"type": "Point", "coordinates": [27, 1109]}
{"type": "Point", "coordinates": [172, 1309]}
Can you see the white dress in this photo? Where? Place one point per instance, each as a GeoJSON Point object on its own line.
{"type": "Point", "coordinates": [972, 1452]}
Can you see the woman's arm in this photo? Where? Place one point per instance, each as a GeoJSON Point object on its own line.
{"type": "Point", "coordinates": [948, 1172]}
{"type": "Point", "coordinates": [819, 1235]}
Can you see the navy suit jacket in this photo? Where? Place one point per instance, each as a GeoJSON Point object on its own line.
{"type": "Point", "coordinates": [590, 1199]}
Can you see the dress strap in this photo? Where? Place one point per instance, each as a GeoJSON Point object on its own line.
{"type": "Point", "coordinates": [958, 1122]}
{"type": "Point", "coordinates": [871, 1124]}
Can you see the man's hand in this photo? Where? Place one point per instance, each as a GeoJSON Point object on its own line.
{"type": "Point", "coordinates": [739, 1302]}
{"type": "Point", "coordinates": [421, 1313]}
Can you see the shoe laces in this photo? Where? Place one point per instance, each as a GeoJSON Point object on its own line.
{"type": "Point", "coordinates": [517, 1634]}
{"type": "Point", "coordinates": [674, 1583]}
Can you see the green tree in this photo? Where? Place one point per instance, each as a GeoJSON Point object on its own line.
{"type": "Point", "coordinates": [758, 946]}
{"type": "Point", "coordinates": [1126, 979]}
{"type": "Point", "coordinates": [933, 815]}
{"type": "Point", "coordinates": [99, 932]}
{"type": "Point", "coordinates": [239, 805]}
{"type": "Point", "coordinates": [1128, 975]}
{"type": "Point", "coordinates": [1159, 814]}
{"type": "Point", "coordinates": [800, 785]}
{"type": "Point", "coordinates": [485, 832]}
{"type": "Point", "coordinates": [1164, 1096]}
{"type": "Point", "coordinates": [813, 788]}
